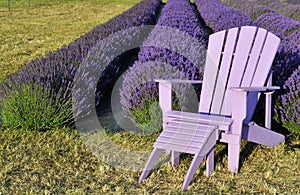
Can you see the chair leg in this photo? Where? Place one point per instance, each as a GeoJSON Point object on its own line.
{"type": "Point", "coordinates": [233, 157]}
{"type": "Point", "coordinates": [210, 165]}
{"type": "Point", "coordinates": [155, 154]}
{"type": "Point", "coordinates": [175, 158]}
{"type": "Point", "coordinates": [193, 167]}
{"type": "Point", "coordinates": [168, 152]}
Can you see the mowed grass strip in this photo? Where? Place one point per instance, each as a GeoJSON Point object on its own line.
{"type": "Point", "coordinates": [57, 161]}
{"type": "Point", "coordinates": [27, 33]}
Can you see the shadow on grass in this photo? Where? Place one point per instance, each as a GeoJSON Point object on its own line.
{"type": "Point", "coordinates": [246, 150]}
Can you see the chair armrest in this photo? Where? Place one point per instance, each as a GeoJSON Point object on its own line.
{"type": "Point", "coordinates": [178, 81]}
{"type": "Point", "coordinates": [255, 89]}
{"type": "Point", "coordinates": [254, 95]}
{"type": "Point", "coordinates": [165, 92]}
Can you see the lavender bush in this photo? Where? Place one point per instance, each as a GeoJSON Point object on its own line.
{"type": "Point", "coordinates": [139, 93]}
{"type": "Point", "coordinates": [37, 107]}
{"type": "Point", "coordinates": [288, 105]}
{"type": "Point", "coordinates": [55, 72]}
{"type": "Point", "coordinates": [278, 24]}
{"type": "Point", "coordinates": [251, 9]}
{"type": "Point", "coordinates": [168, 52]}
{"type": "Point", "coordinates": [286, 9]}
{"type": "Point", "coordinates": [219, 16]}
{"type": "Point", "coordinates": [294, 37]}
{"type": "Point", "coordinates": [295, 2]}
{"type": "Point", "coordinates": [286, 61]}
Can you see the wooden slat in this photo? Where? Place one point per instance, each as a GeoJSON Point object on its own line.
{"type": "Point", "coordinates": [191, 125]}
{"type": "Point", "coordinates": [210, 71]}
{"type": "Point", "coordinates": [208, 119]}
{"type": "Point", "coordinates": [171, 135]}
{"type": "Point", "coordinates": [188, 133]}
{"type": "Point", "coordinates": [224, 71]}
{"type": "Point", "coordinates": [266, 60]}
{"type": "Point", "coordinates": [260, 89]}
{"type": "Point", "coordinates": [165, 97]}
{"type": "Point", "coordinates": [178, 81]}
{"type": "Point", "coordinates": [254, 57]}
{"type": "Point", "coordinates": [175, 147]}
{"type": "Point", "coordinates": [223, 127]}
{"type": "Point", "coordinates": [263, 68]}
{"type": "Point", "coordinates": [244, 44]}
{"type": "Point", "coordinates": [194, 142]}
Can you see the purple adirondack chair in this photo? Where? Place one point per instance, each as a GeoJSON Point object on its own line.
{"type": "Point", "coordinates": [238, 65]}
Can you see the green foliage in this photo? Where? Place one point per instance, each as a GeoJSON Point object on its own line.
{"type": "Point", "coordinates": [149, 117]}
{"type": "Point", "coordinates": [292, 127]}
{"type": "Point", "coordinates": [36, 107]}
{"type": "Point", "coordinates": [287, 119]}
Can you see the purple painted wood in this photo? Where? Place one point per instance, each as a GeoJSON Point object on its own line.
{"type": "Point", "coordinates": [175, 158]}
{"type": "Point", "coordinates": [268, 106]}
{"type": "Point", "coordinates": [194, 141]}
{"type": "Point", "coordinates": [264, 66]}
{"type": "Point", "coordinates": [192, 169]}
{"type": "Point", "coordinates": [242, 50]}
{"type": "Point", "coordinates": [188, 134]}
{"type": "Point", "coordinates": [190, 149]}
{"type": "Point", "coordinates": [258, 134]}
{"type": "Point", "coordinates": [214, 52]}
{"type": "Point", "coordinates": [239, 111]}
{"type": "Point", "coordinates": [210, 167]}
{"type": "Point", "coordinates": [254, 57]}
{"type": "Point", "coordinates": [223, 74]}
{"type": "Point", "coordinates": [223, 123]}
{"type": "Point", "coordinates": [237, 66]}
{"type": "Point", "coordinates": [154, 156]}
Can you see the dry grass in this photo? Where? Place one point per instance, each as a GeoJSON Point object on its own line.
{"type": "Point", "coordinates": [58, 162]}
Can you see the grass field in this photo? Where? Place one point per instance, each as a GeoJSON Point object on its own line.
{"type": "Point", "coordinates": [27, 33]}
{"type": "Point", "coordinates": [58, 162]}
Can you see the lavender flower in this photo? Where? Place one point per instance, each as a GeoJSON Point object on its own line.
{"type": "Point", "coordinates": [288, 104]}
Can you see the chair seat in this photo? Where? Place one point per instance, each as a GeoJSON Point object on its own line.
{"type": "Point", "coordinates": [222, 122]}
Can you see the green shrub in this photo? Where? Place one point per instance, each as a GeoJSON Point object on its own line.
{"type": "Point", "coordinates": [148, 118]}
{"type": "Point", "coordinates": [36, 107]}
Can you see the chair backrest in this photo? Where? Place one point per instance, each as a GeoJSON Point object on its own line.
{"type": "Point", "coordinates": [238, 57]}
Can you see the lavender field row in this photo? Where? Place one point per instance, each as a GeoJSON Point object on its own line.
{"type": "Point", "coordinates": [161, 56]}
{"type": "Point", "coordinates": [53, 75]}
{"type": "Point", "coordinates": [173, 48]}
